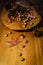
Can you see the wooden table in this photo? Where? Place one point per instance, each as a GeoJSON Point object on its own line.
{"type": "Point", "coordinates": [32, 51]}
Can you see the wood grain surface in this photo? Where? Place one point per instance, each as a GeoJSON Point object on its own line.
{"type": "Point", "coordinates": [32, 52]}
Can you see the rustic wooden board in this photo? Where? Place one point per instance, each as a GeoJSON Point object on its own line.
{"type": "Point", "coordinates": [10, 55]}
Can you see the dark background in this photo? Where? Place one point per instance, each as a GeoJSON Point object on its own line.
{"type": "Point", "coordinates": [38, 4]}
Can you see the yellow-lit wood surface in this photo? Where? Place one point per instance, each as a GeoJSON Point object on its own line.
{"type": "Point", "coordinates": [32, 51]}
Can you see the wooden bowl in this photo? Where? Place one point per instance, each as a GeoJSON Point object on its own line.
{"type": "Point", "coordinates": [20, 25]}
